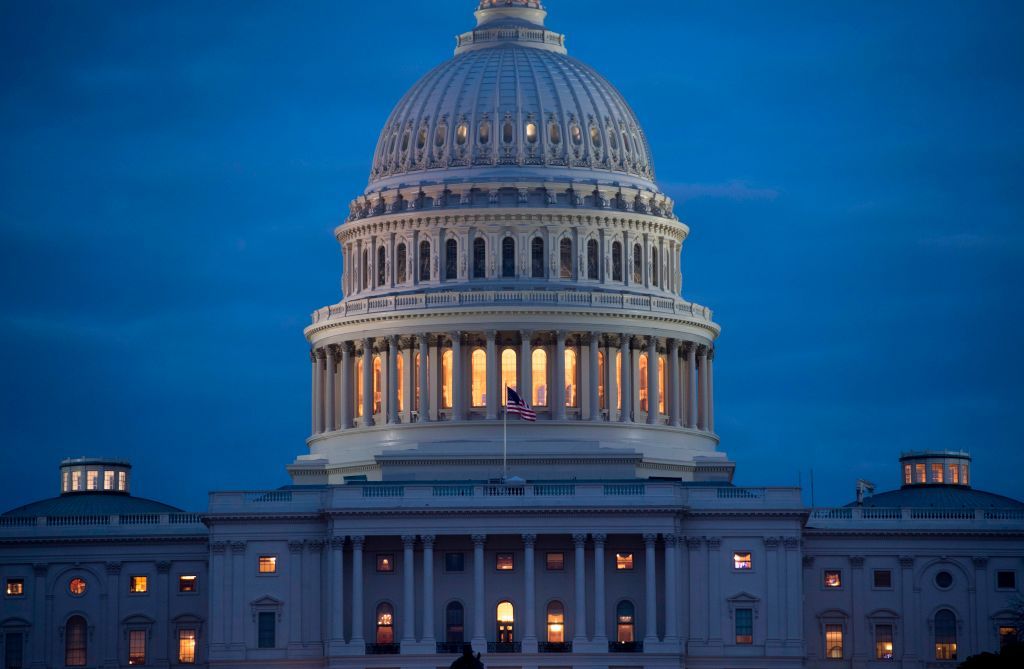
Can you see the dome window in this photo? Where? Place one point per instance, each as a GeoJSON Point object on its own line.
{"type": "Point", "coordinates": [461, 133]}
{"type": "Point", "coordinates": [612, 141]}
{"type": "Point", "coordinates": [531, 132]}
{"type": "Point", "coordinates": [506, 132]}
{"type": "Point", "coordinates": [391, 145]}
{"type": "Point", "coordinates": [405, 141]}
{"type": "Point", "coordinates": [625, 141]}
{"type": "Point", "coordinates": [440, 135]}
{"type": "Point", "coordinates": [555, 133]}
{"type": "Point", "coordinates": [595, 136]}
{"type": "Point", "coordinates": [576, 134]}
{"type": "Point", "coordinates": [485, 132]}
{"type": "Point", "coordinates": [421, 138]}
{"type": "Point", "coordinates": [424, 261]}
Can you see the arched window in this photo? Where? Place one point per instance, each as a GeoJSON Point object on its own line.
{"type": "Point", "coordinates": [537, 258]}
{"type": "Point", "coordinates": [945, 635]}
{"type": "Point", "coordinates": [485, 132]}
{"type": "Point", "coordinates": [400, 263]}
{"type": "Point", "coordinates": [618, 380]}
{"type": "Point", "coordinates": [506, 622]}
{"type": "Point", "coordinates": [385, 623]}
{"type": "Point", "coordinates": [643, 382]}
{"type": "Point", "coordinates": [556, 622]}
{"type": "Point", "coordinates": [479, 258]}
{"type": "Point", "coordinates": [75, 648]}
{"type": "Point", "coordinates": [400, 369]}
{"type": "Point", "coordinates": [602, 377]}
{"type": "Point", "coordinates": [424, 261]}
{"type": "Point", "coordinates": [555, 133]}
{"type": "Point", "coordinates": [381, 264]}
{"type": "Point", "coordinates": [376, 384]}
{"type": "Point", "coordinates": [454, 623]}
{"type": "Point", "coordinates": [576, 134]}
{"type": "Point", "coordinates": [451, 257]}
{"type": "Point", "coordinates": [440, 135]}
{"type": "Point", "coordinates": [571, 399]}
{"type": "Point", "coordinates": [446, 379]}
{"type": "Point", "coordinates": [662, 378]}
{"type": "Point", "coordinates": [461, 133]}
{"type": "Point", "coordinates": [421, 138]}
{"type": "Point", "coordinates": [595, 136]}
{"type": "Point", "coordinates": [366, 269]}
{"type": "Point", "coordinates": [638, 264]}
{"type": "Point", "coordinates": [592, 261]}
{"type": "Point", "coordinates": [616, 261]}
{"type": "Point", "coordinates": [565, 258]}
{"type": "Point", "coordinates": [478, 378]}
{"type": "Point", "coordinates": [416, 384]}
{"type": "Point", "coordinates": [625, 622]}
{"type": "Point", "coordinates": [508, 257]}
{"type": "Point", "coordinates": [508, 369]}
{"type": "Point", "coordinates": [531, 132]}
{"type": "Point", "coordinates": [540, 377]}
{"type": "Point", "coordinates": [359, 386]}
{"type": "Point", "coordinates": [654, 267]}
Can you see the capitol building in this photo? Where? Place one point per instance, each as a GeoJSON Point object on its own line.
{"type": "Point", "coordinates": [512, 236]}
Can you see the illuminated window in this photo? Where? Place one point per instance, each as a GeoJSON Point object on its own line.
{"type": "Point", "coordinates": [744, 626]}
{"type": "Point", "coordinates": [478, 378]}
{"type": "Point", "coordinates": [508, 257]}
{"type": "Point", "coordinates": [954, 474]}
{"type": "Point", "coordinates": [15, 587]}
{"type": "Point", "coordinates": [77, 586]}
{"type": "Point", "coordinates": [963, 475]}
{"type": "Point", "coordinates": [616, 261]}
{"type": "Point", "coordinates": [625, 622]}
{"type": "Point", "coordinates": [531, 133]}
{"type": "Point", "coordinates": [454, 562]}
{"type": "Point", "coordinates": [576, 134]}
{"type": "Point", "coordinates": [638, 264]}
{"type": "Point", "coordinates": [537, 258]}
{"type": "Point", "coordinates": [446, 379]}
{"type": "Point", "coordinates": [14, 650]}
{"type": "Point", "coordinates": [385, 562]}
{"type": "Point", "coordinates": [595, 136]}
{"type": "Point", "coordinates": [381, 265]}
{"type": "Point", "coordinates": [461, 133]}
{"type": "Point", "coordinates": [936, 473]}
{"type": "Point", "coordinates": [571, 399]}
{"type": "Point", "coordinates": [883, 642]}
{"type": "Point", "coordinates": [506, 622]}
{"type": "Point", "coordinates": [618, 380]}
{"type": "Point", "coordinates": [359, 386]}
{"type": "Point", "coordinates": [137, 647]}
{"type": "Point", "coordinates": [742, 561]}
{"type": "Point", "coordinates": [400, 262]}
{"type": "Point", "coordinates": [454, 623]}
{"type": "Point", "coordinates": [654, 267]}
{"type": "Point", "coordinates": [421, 138]}
{"type": "Point", "coordinates": [540, 377]}
{"type": "Point", "coordinates": [91, 479]}
{"type": "Point", "coordinates": [400, 381]}
{"type": "Point", "coordinates": [76, 480]}
{"type": "Point", "coordinates": [593, 263]}
{"type": "Point", "coordinates": [416, 385]}
{"type": "Point", "coordinates": [65, 482]}
{"type": "Point", "coordinates": [108, 480]}
{"type": "Point", "coordinates": [508, 368]}
{"type": "Point", "coordinates": [122, 481]}
{"type": "Point", "coordinates": [504, 562]}
{"type": "Point", "coordinates": [377, 384]}
{"type": "Point", "coordinates": [75, 648]}
{"type": "Point", "coordinates": [643, 382]}
{"type": "Point", "coordinates": [385, 623]}
{"type": "Point", "coordinates": [883, 579]}
{"type": "Point", "coordinates": [555, 561]}
{"type": "Point", "coordinates": [565, 259]}
{"type": "Point", "coordinates": [424, 261]}
{"type": "Point", "coordinates": [268, 564]}
{"type": "Point", "coordinates": [138, 584]}
{"type": "Point", "coordinates": [920, 472]}
{"type": "Point", "coordinates": [662, 379]}
{"type": "Point", "coordinates": [440, 135]}
{"type": "Point", "coordinates": [266, 631]}
{"type": "Point", "coordinates": [187, 646]}
{"type": "Point", "coordinates": [602, 400]}
{"type": "Point", "coordinates": [945, 635]}
{"type": "Point", "coordinates": [623, 561]}
{"type": "Point", "coordinates": [834, 642]}
{"type": "Point", "coordinates": [479, 258]}
{"type": "Point", "coordinates": [187, 583]}
{"type": "Point", "coordinates": [833, 578]}
{"type": "Point", "coordinates": [556, 623]}
{"type": "Point", "coordinates": [555, 133]}
{"type": "Point", "coordinates": [908, 476]}
{"type": "Point", "coordinates": [1006, 580]}
{"type": "Point", "coordinates": [451, 258]}
{"type": "Point", "coordinates": [1007, 636]}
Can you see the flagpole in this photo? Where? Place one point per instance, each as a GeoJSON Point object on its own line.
{"type": "Point", "coordinates": [504, 439]}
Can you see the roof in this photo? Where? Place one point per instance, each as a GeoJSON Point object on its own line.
{"type": "Point", "coordinates": [940, 496]}
{"type": "Point", "coordinates": [92, 504]}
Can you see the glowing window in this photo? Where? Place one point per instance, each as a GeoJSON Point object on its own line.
{"type": "Point", "coordinates": [266, 631]}
{"type": "Point", "coordinates": [1007, 636]}
{"type": "Point", "coordinates": [268, 564]}
{"type": "Point", "coordinates": [576, 134]}
{"type": "Point", "coordinates": [883, 642]}
{"type": "Point", "coordinates": [377, 384]}
{"type": "Point", "coordinates": [623, 561]}
{"type": "Point", "coordinates": [834, 642]}
{"type": "Point", "coordinates": [945, 635]}
{"type": "Point", "coordinates": [400, 268]}
{"type": "Point", "coordinates": [537, 258]}
{"type": "Point", "coordinates": [833, 578]}
{"type": "Point", "coordinates": [424, 261]}
{"type": "Point", "coordinates": [400, 381]}
{"type": "Point", "coordinates": [504, 562]}
{"type": "Point", "coordinates": [187, 583]}
{"type": "Point", "coordinates": [461, 133]}
{"type": "Point", "coordinates": [742, 560]}
{"type": "Point", "coordinates": [187, 646]}
{"type": "Point", "coordinates": [385, 562]}
{"type": "Point", "coordinates": [506, 622]}
{"type": "Point", "coordinates": [76, 480]}
{"type": "Point", "coordinates": [508, 368]}
{"type": "Point", "coordinates": [359, 387]}
{"type": "Point", "coordinates": [936, 473]}
{"type": "Point", "coordinates": [571, 399]}
{"type": "Point", "coordinates": [556, 623]}
{"type": "Point", "coordinates": [555, 561]}
{"type": "Point", "coordinates": [446, 379]}
{"type": "Point", "coordinates": [963, 475]}
{"type": "Point", "coordinates": [662, 379]}
{"type": "Point", "coordinates": [643, 382]}
{"type": "Point", "coordinates": [508, 257]}
{"type": "Point", "coordinates": [954, 474]}
{"type": "Point", "coordinates": [595, 136]}
{"type": "Point", "coordinates": [602, 401]}
{"type": "Point", "coordinates": [616, 261]}
{"type": "Point", "coordinates": [540, 377]}
{"type": "Point", "coordinates": [618, 380]}
{"type": "Point", "coordinates": [908, 476]}
{"type": "Point", "coordinates": [75, 648]}
{"type": "Point", "coordinates": [565, 259]}
{"type": "Point", "coordinates": [625, 621]}
{"type": "Point", "coordinates": [744, 626]}
{"type": "Point", "coordinates": [451, 257]}
{"type": "Point", "coordinates": [555, 133]}
{"type": "Point", "coordinates": [91, 479]}
{"type": "Point", "coordinates": [479, 258]}
{"type": "Point", "coordinates": [137, 647]}
{"type": "Point", "coordinates": [108, 480]}
{"type": "Point", "coordinates": [478, 378]}
{"type": "Point", "coordinates": [15, 587]}
{"type": "Point", "coordinates": [138, 584]}
{"type": "Point", "coordinates": [122, 481]}
{"type": "Point", "coordinates": [65, 482]}
{"type": "Point", "coordinates": [592, 262]}
{"type": "Point", "coordinates": [77, 586]}
{"type": "Point", "coordinates": [920, 472]}
{"type": "Point", "coordinates": [531, 133]}
{"type": "Point", "coordinates": [485, 132]}
{"type": "Point", "coordinates": [454, 623]}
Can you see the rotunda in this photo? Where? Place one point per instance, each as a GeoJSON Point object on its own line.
{"type": "Point", "coordinates": [511, 235]}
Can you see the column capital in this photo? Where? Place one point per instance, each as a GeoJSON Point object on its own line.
{"type": "Point", "coordinates": [525, 334]}
{"type": "Point", "coordinates": [218, 546]}
{"type": "Point", "coordinates": [491, 334]}
{"type": "Point", "coordinates": [980, 562]}
{"type": "Point", "coordinates": [693, 543]}
{"type": "Point", "coordinates": [772, 543]}
{"type": "Point", "coordinates": [702, 350]}
{"type": "Point", "coordinates": [428, 540]}
{"type": "Point", "coordinates": [670, 539]}
{"type": "Point", "coordinates": [312, 355]}
{"type": "Point", "coordinates": [113, 568]}
{"type": "Point", "coordinates": [295, 546]}
{"type": "Point", "coordinates": [808, 561]}
{"type": "Point", "coordinates": [714, 543]}
{"type": "Point", "coordinates": [392, 342]}
{"type": "Point", "coordinates": [321, 354]}
{"type": "Point", "coordinates": [337, 543]}
{"type": "Point", "coordinates": [711, 352]}
{"type": "Point", "coordinates": [408, 540]}
{"type": "Point", "coordinates": [332, 351]}
{"type": "Point", "coordinates": [599, 538]}
{"type": "Point", "coordinates": [907, 561]}
{"type": "Point", "coordinates": [857, 561]}
{"type": "Point", "coordinates": [529, 540]}
{"type": "Point", "coordinates": [315, 545]}
{"type": "Point", "coordinates": [689, 348]}
{"type": "Point", "coordinates": [357, 541]}
{"type": "Point", "coordinates": [237, 546]}
{"type": "Point", "coordinates": [579, 539]}
{"type": "Point", "coordinates": [650, 538]}
{"type": "Point", "coordinates": [478, 539]}
{"type": "Point", "coordinates": [791, 542]}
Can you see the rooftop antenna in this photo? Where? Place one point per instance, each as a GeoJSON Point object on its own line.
{"type": "Point", "coordinates": [865, 488]}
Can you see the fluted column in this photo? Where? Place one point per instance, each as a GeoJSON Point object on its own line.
{"type": "Point", "coordinates": [600, 614]}
{"type": "Point", "coordinates": [691, 385]}
{"type": "Point", "coordinates": [336, 583]}
{"type": "Point", "coordinates": [408, 589]}
{"type": "Point", "coordinates": [330, 403]}
{"type": "Point", "coordinates": [671, 590]}
{"type": "Point", "coordinates": [580, 569]}
{"type": "Point", "coordinates": [428, 589]}
{"type": "Point", "coordinates": [423, 411]}
{"type": "Point", "coordinates": [673, 382]}
{"type": "Point", "coordinates": [346, 385]}
{"type": "Point", "coordinates": [314, 394]}
{"type": "Point", "coordinates": [625, 372]}
{"type": "Point", "coordinates": [525, 367]}
{"type": "Point", "coordinates": [319, 390]}
{"type": "Point", "coordinates": [493, 380]}
{"type": "Point", "coordinates": [529, 585]}
{"type": "Point", "coordinates": [702, 388]}
{"type": "Point", "coordinates": [357, 595]}
{"type": "Point", "coordinates": [392, 381]}
{"type": "Point", "coordinates": [653, 387]}
{"type": "Point", "coordinates": [367, 382]}
{"type": "Point", "coordinates": [711, 390]}
{"type": "Point", "coordinates": [479, 638]}
{"type": "Point", "coordinates": [558, 398]}
{"type": "Point", "coordinates": [650, 590]}
{"type": "Point", "coordinates": [595, 377]}
{"type": "Point", "coordinates": [458, 378]}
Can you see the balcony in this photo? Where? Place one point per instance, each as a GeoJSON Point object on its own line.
{"type": "Point", "coordinates": [450, 647]}
{"type": "Point", "coordinates": [382, 648]}
{"type": "Point", "coordinates": [555, 647]}
{"type": "Point", "coordinates": [625, 646]}
{"type": "Point", "coordinates": [504, 647]}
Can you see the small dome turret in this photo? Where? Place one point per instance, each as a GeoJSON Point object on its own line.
{"type": "Point", "coordinates": [95, 475]}
{"type": "Point", "coordinates": [935, 468]}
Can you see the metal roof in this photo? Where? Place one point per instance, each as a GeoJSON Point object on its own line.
{"type": "Point", "coordinates": [92, 504]}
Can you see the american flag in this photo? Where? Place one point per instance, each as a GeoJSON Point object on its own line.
{"type": "Point", "coordinates": [514, 404]}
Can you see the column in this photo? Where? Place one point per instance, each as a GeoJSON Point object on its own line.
{"type": "Point", "coordinates": [410, 380]}
{"type": "Point", "coordinates": [346, 385]}
{"type": "Point", "coordinates": [773, 575]}
{"type": "Point", "coordinates": [906, 652]}
{"type": "Point", "coordinates": [423, 411]}
{"type": "Point", "coordinates": [558, 397]}
{"type": "Point", "coordinates": [525, 367]}
{"type": "Point", "coordinates": [318, 391]}
{"type": "Point", "coordinates": [711, 390]}
{"type": "Point", "coordinates": [238, 579]}
{"type": "Point", "coordinates": [626, 410]}
{"type": "Point", "coordinates": [982, 583]}
{"type": "Point", "coordinates": [492, 386]}
{"type": "Point", "coordinates": [479, 639]}
{"type": "Point", "coordinates": [714, 591]}
{"type": "Point", "coordinates": [458, 378]}
{"type": "Point", "coordinates": [113, 597]}
{"type": "Point", "coordinates": [691, 385]}
{"type": "Point", "coordinates": [336, 583]}
{"type": "Point", "coordinates": [600, 613]}
{"type": "Point", "coordinates": [794, 593]}
{"type": "Point", "coordinates": [357, 596]}
{"type": "Point", "coordinates": [595, 377]}
{"type": "Point", "coordinates": [650, 588]}
{"type": "Point", "coordinates": [671, 591]}
{"type": "Point", "coordinates": [313, 392]}
{"type": "Point", "coordinates": [702, 388]}
{"type": "Point", "coordinates": [367, 382]}
{"type": "Point", "coordinates": [696, 578]}
{"type": "Point", "coordinates": [293, 610]}
{"type": "Point", "coordinates": [392, 380]}
{"type": "Point", "coordinates": [332, 363]}
{"type": "Point", "coordinates": [428, 590]}
{"type": "Point", "coordinates": [529, 586]}
{"type": "Point", "coordinates": [580, 609]}
{"type": "Point", "coordinates": [673, 382]}
{"type": "Point", "coordinates": [218, 581]}
{"type": "Point", "coordinates": [858, 641]}
{"type": "Point", "coordinates": [408, 592]}
{"type": "Point", "coordinates": [40, 632]}
{"type": "Point", "coordinates": [653, 387]}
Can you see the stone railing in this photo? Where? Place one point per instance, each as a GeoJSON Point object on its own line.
{"type": "Point", "coordinates": [29, 526]}
{"type": "Point", "coordinates": [913, 518]}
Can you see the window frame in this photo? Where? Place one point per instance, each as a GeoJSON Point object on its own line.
{"type": "Point", "coordinates": [892, 641]}
{"type": "Point", "coordinates": [134, 634]}
{"type": "Point", "coordinates": [195, 644]}
{"type": "Point", "coordinates": [20, 582]}
{"type": "Point", "coordinates": [14, 645]}
{"type": "Point", "coordinates": [561, 561]}
{"type": "Point", "coordinates": [84, 649]}
{"type": "Point", "coordinates": [271, 560]}
{"type": "Point", "coordinates": [1013, 577]}
{"type": "Point", "coordinates": [874, 579]}
{"type": "Point", "coordinates": [378, 626]}
{"type": "Point", "coordinates": [134, 581]}
{"type": "Point", "coordinates": [841, 628]}
{"type": "Point", "coordinates": [261, 617]}
{"type": "Point", "coordinates": [839, 574]}
{"type": "Point", "coordinates": [750, 560]}
{"type": "Point", "coordinates": [194, 580]}
{"type": "Point", "coordinates": [626, 555]}
{"type": "Point", "coordinates": [555, 607]}
{"type": "Point", "coordinates": [743, 639]}
{"type": "Point", "coordinates": [631, 624]}
{"type": "Point", "coordinates": [462, 561]}
{"type": "Point", "coordinates": [510, 556]}
{"type": "Point", "coordinates": [390, 558]}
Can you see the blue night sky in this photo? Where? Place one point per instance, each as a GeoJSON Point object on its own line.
{"type": "Point", "coordinates": [171, 174]}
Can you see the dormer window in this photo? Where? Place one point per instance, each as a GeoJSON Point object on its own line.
{"type": "Point", "coordinates": [485, 132]}
{"type": "Point", "coordinates": [555, 133]}
{"type": "Point", "coordinates": [531, 132]}
{"type": "Point", "coordinates": [595, 136]}
{"type": "Point", "coordinates": [440, 135]}
{"type": "Point", "coordinates": [461, 133]}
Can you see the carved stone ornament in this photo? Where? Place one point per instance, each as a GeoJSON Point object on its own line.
{"type": "Point", "coordinates": [295, 546]}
